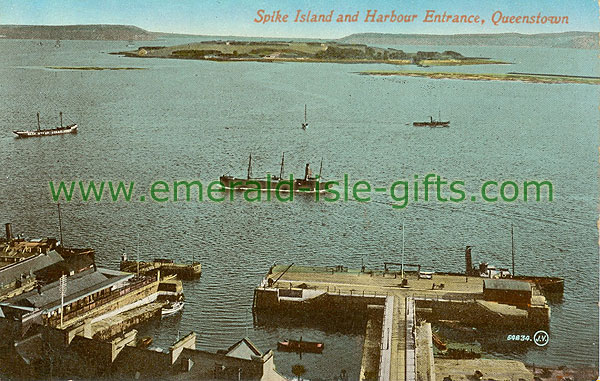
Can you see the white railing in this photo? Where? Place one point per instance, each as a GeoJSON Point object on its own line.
{"type": "Point", "coordinates": [385, 357]}
{"type": "Point", "coordinates": [411, 368]}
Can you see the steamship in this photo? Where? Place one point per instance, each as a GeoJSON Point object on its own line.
{"type": "Point", "coordinates": [70, 129]}
{"type": "Point", "coordinates": [433, 123]}
{"type": "Point", "coordinates": [307, 184]}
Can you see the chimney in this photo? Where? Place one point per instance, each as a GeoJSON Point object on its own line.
{"type": "Point", "coordinates": [306, 171]}
{"type": "Point", "coordinates": [469, 264]}
{"type": "Point", "coordinates": [8, 227]}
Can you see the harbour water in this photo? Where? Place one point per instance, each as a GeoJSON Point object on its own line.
{"type": "Point", "coordinates": [196, 120]}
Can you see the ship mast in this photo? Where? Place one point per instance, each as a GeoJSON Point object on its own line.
{"type": "Point", "coordinates": [512, 243]}
{"type": "Point", "coordinates": [62, 244]}
{"type": "Point", "coordinates": [38, 118]}
{"type": "Point", "coordinates": [250, 167]}
{"type": "Point", "coordinates": [281, 169]}
{"type": "Point", "coordinates": [321, 168]}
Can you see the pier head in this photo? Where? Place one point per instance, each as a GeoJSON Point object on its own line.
{"type": "Point", "coordinates": [395, 310]}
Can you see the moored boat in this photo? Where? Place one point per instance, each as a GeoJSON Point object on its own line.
{"type": "Point", "coordinates": [70, 129]}
{"type": "Point", "coordinates": [306, 184]}
{"type": "Point", "coordinates": [432, 123]}
{"type": "Point", "coordinates": [300, 346]}
{"type": "Point", "coordinates": [172, 308]}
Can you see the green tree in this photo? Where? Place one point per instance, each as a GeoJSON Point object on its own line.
{"type": "Point", "coordinates": [298, 370]}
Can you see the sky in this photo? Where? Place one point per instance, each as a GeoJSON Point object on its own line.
{"type": "Point", "coordinates": [236, 17]}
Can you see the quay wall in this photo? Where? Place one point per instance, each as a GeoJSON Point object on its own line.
{"type": "Point", "coordinates": [339, 311]}
{"type": "Point", "coordinates": [124, 325]}
{"type": "Point", "coordinates": [272, 299]}
{"type": "Point", "coordinates": [369, 368]}
{"type": "Point", "coordinates": [472, 313]}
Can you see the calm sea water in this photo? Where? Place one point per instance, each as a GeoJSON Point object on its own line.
{"type": "Point", "coordinates": [193, 120]}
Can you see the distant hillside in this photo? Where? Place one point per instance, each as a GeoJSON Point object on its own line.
{"type": "Point", "coordinates": [76, 32]}
{"type": "Point", "coordinates": [575, 40]}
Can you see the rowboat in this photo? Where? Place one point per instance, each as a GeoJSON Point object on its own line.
{"type": "Point", "coordinates": [172, 308]}
{"type": "Point", "coordinates": [300, 346]}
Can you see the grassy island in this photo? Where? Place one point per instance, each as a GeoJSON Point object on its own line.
{"type": "Point", "coordinates": [521, 77]}
{"type": "Point", "coordinates": [92, 68]}
{"type": "Point", "coordinates": [281, 51]}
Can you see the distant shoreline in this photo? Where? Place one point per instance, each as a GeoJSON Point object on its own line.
{"type": "Point", "coordinates": [518, 77]}
{"type": "Point", "coordinates": [114, 32]}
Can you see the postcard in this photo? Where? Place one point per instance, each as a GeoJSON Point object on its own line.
{"type": "Point", "coordinates": [295, 190]}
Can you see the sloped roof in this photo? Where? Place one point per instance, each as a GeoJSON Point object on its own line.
{"type": "Point", "coordinates": [243, 349]}
{"type": "Point", "coordinates": [78, 286]}
{"type": "Point", "coordinates": [10, 273]}
{"type": "Point", "coordinates": [506, 285]}
{"type": "Point", "coordinates": [73, 264]}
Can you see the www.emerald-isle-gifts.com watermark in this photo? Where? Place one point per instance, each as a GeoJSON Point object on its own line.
{"type": "Point", "coordinates": [400, 193]}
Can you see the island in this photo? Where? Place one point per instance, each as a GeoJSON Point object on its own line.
{"type": "Point", "coordinates": [296, 51]}
{"type": "Point", "coordinates": [520, 77]}
{"type": "Point", "coordinates": [93, 68]}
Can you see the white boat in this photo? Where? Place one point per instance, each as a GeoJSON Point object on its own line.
{"type": "Point", "coordinates": [172, 308]}
{"type": "Point", "coordinates": [70, 129]}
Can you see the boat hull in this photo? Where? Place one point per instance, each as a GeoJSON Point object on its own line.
{"type": "Point", "coordinates": [547, 285]}
{"type": "Point", "coordinates": [310, 185]}
{"type": "Point", "coordinates": [300, 346]}
{"type": "Point", "coordinates": [72, 129]}
{"type": "Point", "coordinates": [173, 309]}
{"type": "Point", "coordinates": [431, 124]}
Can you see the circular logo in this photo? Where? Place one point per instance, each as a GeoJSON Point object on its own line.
{"type": "Point", "coordinates": [541, 338]}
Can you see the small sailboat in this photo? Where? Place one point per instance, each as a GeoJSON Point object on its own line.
{"type": "Point", "coordinates": [305, 124]}
{"type": "Point", "coordinates": [70, 129]}
{"type": "Point", "coordinates": [172, 308]}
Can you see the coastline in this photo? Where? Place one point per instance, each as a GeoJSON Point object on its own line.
{"type": "Point", "coordinates": [529, 78]}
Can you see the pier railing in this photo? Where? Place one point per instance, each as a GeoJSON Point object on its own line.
{"type": "Point", "coordinates": [346, 291]}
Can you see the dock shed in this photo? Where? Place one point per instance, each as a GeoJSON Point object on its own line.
{"type": "Point", "coordinates": [507, 291]}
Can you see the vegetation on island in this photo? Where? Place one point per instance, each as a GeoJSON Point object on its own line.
{"type": "Point", "coordinates": [92, 68]}
{"type": "Point", "coordinates": [291, 51]}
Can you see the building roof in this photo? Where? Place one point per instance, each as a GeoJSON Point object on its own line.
{"type": "Point", "coordinates": [69, 266]}
{"type": "Point", "coordinates": [78, 287]}
{"type": "Point", "coordinates": [506, 285]}
{"type": "Point", "coordinates": [243, 349]}
{"type": "Point", "coordinates": [12, 272]}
